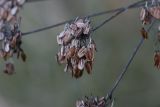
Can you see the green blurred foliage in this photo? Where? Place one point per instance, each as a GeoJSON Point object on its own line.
{"type": "Point", "coordinates": [41, 82]}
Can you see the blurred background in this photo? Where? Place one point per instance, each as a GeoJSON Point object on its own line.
{"type": "Point", "coordinates": [41, 82]}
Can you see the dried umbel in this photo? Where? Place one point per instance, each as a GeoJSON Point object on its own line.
{"type": "Point", "coordinates": [76, 47]}
{"type": "Point", "coordinates": [10, 39]}
{"type": "Point", "coordinates": [10, 34]}
{"type": "Point", "coordinates": [91, 102]}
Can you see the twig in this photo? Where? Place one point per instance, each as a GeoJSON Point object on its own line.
{"type": "Point", "coordinates": [118, 10]}
{"type": "Point", "coordinates": [120, 77]}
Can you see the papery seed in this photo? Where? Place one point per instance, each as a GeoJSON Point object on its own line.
{"type": "Point", "coordinates": [14, 10]}
{"type": "Point", "coordinates": [142, 14]}
{"type": "Point", "coordinates": [82, 52]}
{"type": "Point", "coordinates": [88, 67]}
{"type": "Point", "coordinates": [81, 64]}
{"type": "Point", "coordinates": [7, 47]}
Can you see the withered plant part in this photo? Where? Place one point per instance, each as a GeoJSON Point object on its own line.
{"type": "Point", "coordinates": [76, 47]}
{"type": "Point", "coordinates": [9, 10]}
{"type": "Point", "coordinates": [10, 39]}
{"type": "Point", "coordinates": [144, 33]}
{"type": "Point", "coordinates": [10, 34]}
{"type": "Point", "coordinates": [155, 12]}
{"type": "Point", "coordinates": [91, 102]}
{"type": "Point", "coordinates": [157, 60]}
{"type": "Point", "coordinates": [145, 16]}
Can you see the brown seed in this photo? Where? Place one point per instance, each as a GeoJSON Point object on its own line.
{"type": "Point", "coordinates": [71, 52]}
{"type": "Point", "coordinates": [77, 73]}
{"type": "Point", "coordinates": [144, 33]}
{"type": "Point", "coordinates": [88, 67]}
{"type": "Point", "coordinates": [82, 52]}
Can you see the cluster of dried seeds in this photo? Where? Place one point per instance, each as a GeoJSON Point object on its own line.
{"type": "Point", "coordinates": [91, 102]}
{"type": "Point", "coordinates": [76, 47]}
{"type": "Point", "coordinates": [146, 16]}
{"type": "Point", "coordinates": [11, 42]}
{"type": "Point", "coordinates": [10, 34]}
{"type": "Point", "coordinates": [9, 10]}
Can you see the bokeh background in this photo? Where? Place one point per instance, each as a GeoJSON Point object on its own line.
{"type": "Point", "coordinates": [41, 82]}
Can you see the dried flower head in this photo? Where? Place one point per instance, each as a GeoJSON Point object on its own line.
{"type": "Point", "coordinates": [76, 47]}
{"type": "Point", "coordinates": [9, 68]}
{"type": "Point", "coordinates": [10, 39]}
{"type": "Point", "coordinates": [91, 102]}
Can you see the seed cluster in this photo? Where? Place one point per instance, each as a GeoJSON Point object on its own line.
{"type": "Point", "coordinates": [146, 16]}
{"type": "Point", "coordinates": [9, 10]}
{"type": "Point", "coordinates": [91, 102]}
{"type": "Point", "coordinates": [10, 34]}
{"type": "Point", "coordinates": [76, 47]}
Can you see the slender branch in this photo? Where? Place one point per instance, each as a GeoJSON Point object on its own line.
{"type": "Point", "coordinates": [120, 77]}
{"type": "Point", "coordinates": [118, 10]}
{"type": "Point", "coordinates": [29, 1]}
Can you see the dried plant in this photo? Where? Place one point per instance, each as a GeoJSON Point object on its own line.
{"type": "Point", "coordinates": [91, 102]}
{"type": "Point", "coordinates": [76, 47]}
{"type": "Point", "coordinates": [10, 34]}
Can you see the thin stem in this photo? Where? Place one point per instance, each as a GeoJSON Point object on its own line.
{"type": "Point", "coordinates": [120, 77]}
{"type": "Point", "coordinates": [118, 10]}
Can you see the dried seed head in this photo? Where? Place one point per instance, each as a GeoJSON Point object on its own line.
{"type": "Point", "coordinates": [11, 42]}
{"type": "Point", "coordinates": [9, 68]}
{"type": "Point", "coordinates": [91, 102]}
{"type": "Point", "coordinates": [76, 47]}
